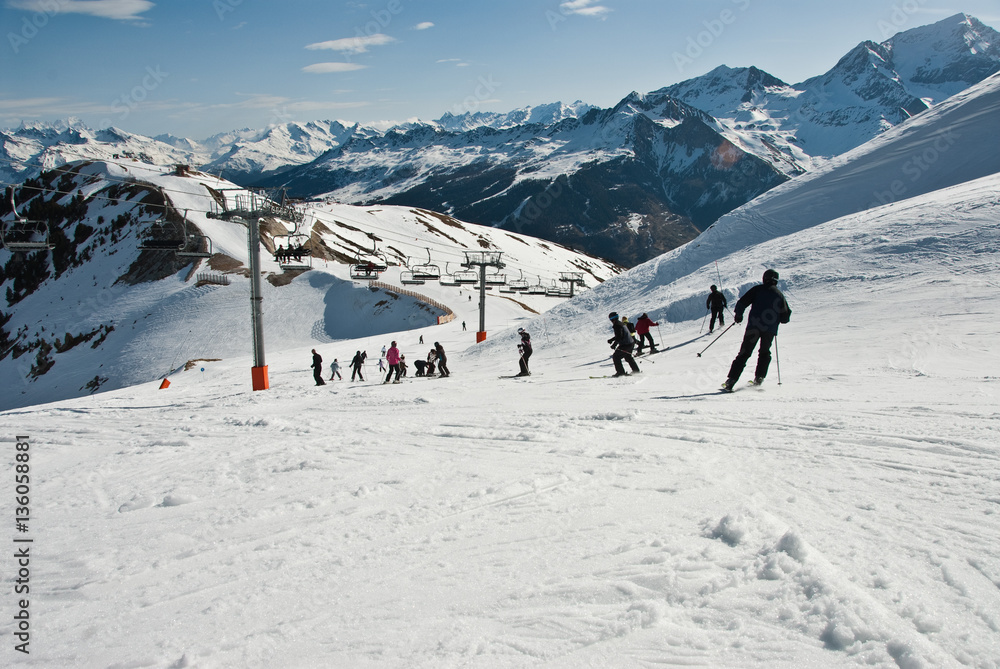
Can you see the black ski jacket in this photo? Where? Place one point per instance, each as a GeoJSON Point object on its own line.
{"type": "Point", "coordinates": [768, 308]}
{"type": "Point", "coordinates": [623, 338]}
{"type": "Point", "coordinates": [716, 301]}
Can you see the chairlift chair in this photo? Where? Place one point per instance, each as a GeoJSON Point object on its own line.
{"type": "Point", "coordinates": [408, 277]}
{"type": "Point", "coordinates": [517, 285]}
{"type": "Point", "coordinates": [300, 258]}
{"type": "Point", "coordinates": [536, 289]}
{"type": "Point", "coordinates": [426, 271]}
{"type": "Point", "coordinates": [496, 279]}
{"type": "Point", "coordinates": [466, 277]}
{"type": "Point", "coordinates": [22, 234]}
{"type": "Point", "coordinates": [447, 279]}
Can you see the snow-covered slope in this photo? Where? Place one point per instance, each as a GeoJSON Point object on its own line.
{"type": "Point", "coordinates": [98, 313]}
{"type": "Point", "coordinates": [845, 514]}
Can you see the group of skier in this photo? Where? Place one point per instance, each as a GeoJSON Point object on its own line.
{"type": "Point", "coordinates": [391, 360]}
{"type": "Point", "coordinates": [767, 304]}
{"type": "Point", "coordinates": [768, 309]}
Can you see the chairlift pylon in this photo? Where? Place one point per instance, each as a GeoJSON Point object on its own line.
{"type": "Point", "coordinates": [23, 234]}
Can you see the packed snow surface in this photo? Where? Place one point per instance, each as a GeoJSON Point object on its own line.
{"type": "Point", "coordinates": [848, 516]}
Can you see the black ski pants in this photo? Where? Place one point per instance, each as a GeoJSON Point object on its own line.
{"type": "Point", "coordinates": [318, 376]}
{"type": "Point", "coordinates": [721, 315]}
{"type": "Point", "coordinates": [357, 372]}
{"type": "Point", "coordinates": [750, 339]}
{"type": "Point", "coordinates": [524, 362]}
{"type": "Point", "coordinates": [621, 354]}
{"type": "Point", "coordinates": [642, 341]}
{"type": "Point", "coordinates": [393, 368]}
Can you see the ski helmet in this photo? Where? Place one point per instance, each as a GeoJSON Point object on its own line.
{"type": "Point", "coordinates": [770, 277]}
{"type": "Point", "coordinates": [714, 288]}
{"type": "Point", "coordinates": [613, 315]}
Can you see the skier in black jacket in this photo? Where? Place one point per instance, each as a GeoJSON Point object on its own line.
{"type": "Point", "coordinates": [317, 368]}
{"type": "Point", "coordinates": [768, 308]}
{"type": "Point", "coordinates": [442, 360]}
{"type": "Point", "coordinates": [622, 343]}
{"type": "Point", "coordinates": [716, 302]}
{"type": "Point", "coordinates": [356, 364]}
{"type": "Point", "coordinates": [524, 348]}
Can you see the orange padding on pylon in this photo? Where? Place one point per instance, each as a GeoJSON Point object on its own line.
{"type": "Point", "coordinates": [165, 384]}
{"type": "Point", "coordinates": [259, 377]}
{"type": "Point", "coordinates": [481, 336]}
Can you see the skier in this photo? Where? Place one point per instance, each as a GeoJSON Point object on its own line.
{"type": "Point", "coordinates": [421, 340]}
{"type": "Point", "coordinates": [524, 348]}
{"type": "Point", "coordinates": [768, 308]}
{"type": "Point", "coordinates": [463, 326]}
{"type": "Point", "coordinates": [420, 365]}
{"type": "Point", "coordinates": [431, 358]}
{"type": "Point", "coordinates": [642, 328]}
{"type": "Point", "coordinates": [381, 364]}
{"type": "Point", "coordinates": [392, 357]}
{"type": "Point", "coordinates": [442, 360]}
{"type": "Point", "coordinates": [317, 368]}
{"type": "Point", "coordinates": [335, 370]}
{"type": "Point", "coordinates": [402, 366]}
{"type": "Point", "coordinates": [356, 363]}
{"type": "Point", "coordinates": [716, 302]}
{"type": "Point", "coordinates": [631, 328]}
{"type": "Point", "coordinates": [622, 343]}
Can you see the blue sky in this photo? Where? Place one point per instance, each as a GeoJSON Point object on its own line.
{"type": "Point", "coordinates": [196, 68]}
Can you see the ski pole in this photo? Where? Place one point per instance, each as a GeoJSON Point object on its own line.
{"type": "Point", "coordinates": [717, 338]}
{"type": "Point", "coordinates": [777, 358]}
{"type": "Point", "coordinates": [702, 324]}
{"type": "Point", "coordinates": [660, 335]}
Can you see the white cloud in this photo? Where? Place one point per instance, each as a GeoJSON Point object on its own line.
{"type": "Point", "coordinates": [122, 10]}
{"type": "Point", "coordinates": [352, 45]}
{"type": "Point", "coordinates": [326, 68]}
{"type": "Point", "coordinates": [424, 25]}
{"type": "Point", "coordinates": [583, 8]}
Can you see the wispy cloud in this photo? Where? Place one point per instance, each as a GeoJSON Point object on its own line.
{"type": "Point", "coordinates": [352, 45]}
{"type": "Point", "coordinates": [424, 25]}
{"type": "Point", "coordinates": [583, 8]}
{"type": "Point", "coordinates": [459, 62]}
{"type": "Point", "coordinates": [327, 68]}
{"type": "Point", "coordinates": [121, 10]}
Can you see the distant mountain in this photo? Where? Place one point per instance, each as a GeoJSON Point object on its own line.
{"type": "Point", "coordinates": [873, 87]}
{"type": "Point", "coordinates": [626, 183]}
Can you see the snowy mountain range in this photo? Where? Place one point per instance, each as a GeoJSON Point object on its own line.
{"type": "Point", "coordinates": [842, 514]}
{"type": "Point", "coordinates": [624, 183]}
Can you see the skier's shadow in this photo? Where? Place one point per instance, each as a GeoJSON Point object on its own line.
{"type": "Point", "coordinates": [689, 397]}
{"type": "Point", "coordinates": [689, 341]}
